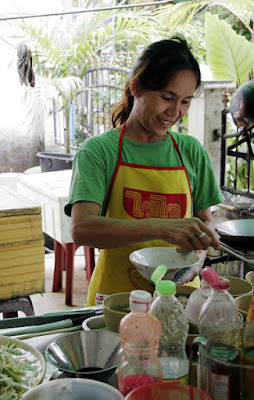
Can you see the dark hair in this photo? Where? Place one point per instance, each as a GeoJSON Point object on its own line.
{"type": "Point", "coordinates": [154, 69]}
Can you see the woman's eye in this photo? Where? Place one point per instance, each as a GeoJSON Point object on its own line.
{"type": "Point", "coordinates": [166, 98]}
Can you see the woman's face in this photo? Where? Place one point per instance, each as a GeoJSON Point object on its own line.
{"type": "Point", "coordinates": [156, 111]}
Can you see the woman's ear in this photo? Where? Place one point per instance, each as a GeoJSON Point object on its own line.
{"type": "Point", "coordinates": [135, 88]}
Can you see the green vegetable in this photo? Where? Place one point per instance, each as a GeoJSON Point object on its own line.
{"type": "Point", "coordinates": [19, 369]}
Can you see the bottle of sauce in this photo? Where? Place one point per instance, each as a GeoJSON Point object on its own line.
{"type": "Point", "coordinates": [250, 315]}
{"type": "Point", "coordinates": [140, 334]}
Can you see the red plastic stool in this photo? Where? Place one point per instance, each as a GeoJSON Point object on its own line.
{"type": "Point", "coordinates": [64, 261]}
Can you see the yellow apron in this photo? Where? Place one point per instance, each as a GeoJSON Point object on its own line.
{"type": "Point", "coordinates": [136, 192]}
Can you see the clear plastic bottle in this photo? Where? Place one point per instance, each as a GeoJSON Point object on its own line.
{"type": "Point", "coordinates": [174, 332]}
{"type": "Point", "coordinates": [220, 307]}
{"type": "Point", "coordinates": [140, 334]}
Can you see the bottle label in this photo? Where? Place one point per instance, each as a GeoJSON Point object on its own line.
{"type": "Point", "coordinates": [183, 380]}
{"type": "Point", "coordinates": [99, 297]}
{"type": "Point", "coordinates": [221, 386]}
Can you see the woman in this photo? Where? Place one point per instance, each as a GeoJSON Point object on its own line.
{"type": "Point", "coordinates": [140, 185]}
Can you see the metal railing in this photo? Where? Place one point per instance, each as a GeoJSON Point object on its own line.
{"type": "Point", "coordinates": [237, 158]}
{"type": "Point", "coordinates": [90, 114]}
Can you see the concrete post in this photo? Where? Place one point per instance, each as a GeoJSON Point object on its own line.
{"type": "Point", "coordinates": [204, 118]}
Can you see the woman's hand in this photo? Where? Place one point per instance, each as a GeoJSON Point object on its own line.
{"type": "Point", "coordinates": [191, 234]}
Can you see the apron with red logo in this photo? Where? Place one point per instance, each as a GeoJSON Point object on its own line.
{"type": "Point", "coordinates": [137, 192]}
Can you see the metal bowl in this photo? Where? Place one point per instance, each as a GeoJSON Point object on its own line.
{"type": "Point", "coordinates": [86, 354]}
{"type": "Point", "coordinates": [241, 202]}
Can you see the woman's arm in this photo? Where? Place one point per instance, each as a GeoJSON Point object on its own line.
{"type": "Point", "coordinates": [207, 218]}
{"type": "Point", "coordinates": [93, 230]}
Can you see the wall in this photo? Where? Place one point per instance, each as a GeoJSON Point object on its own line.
{"type": "Point", "coordinates": [19, 144]}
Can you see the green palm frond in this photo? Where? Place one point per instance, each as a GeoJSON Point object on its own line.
{"type": "Point", "coordinates": [229, 55]}
{"type": "Point", "coordinates": [182, 13]}
{"type": "Point", "coordinates": [38, 100]}
{"type": "Point", "coordinates": [173, 15]}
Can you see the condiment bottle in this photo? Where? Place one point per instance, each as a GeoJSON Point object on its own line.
{"type": "Point", "coordinates": [140, 334]}
{"type": "Point", "coordinates": [250, 315]}
{"type": "Point", "coordinates": [174, 329]}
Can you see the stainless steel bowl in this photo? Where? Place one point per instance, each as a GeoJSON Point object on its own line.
{"type": "Point", "coordinates": [86, 354]}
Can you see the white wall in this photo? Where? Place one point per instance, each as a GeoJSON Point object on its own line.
{"type": "Point", "coordinates": [18, 144]}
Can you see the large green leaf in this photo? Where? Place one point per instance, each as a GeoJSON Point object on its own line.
{"type": "Point", "coordinates": [229, 55]}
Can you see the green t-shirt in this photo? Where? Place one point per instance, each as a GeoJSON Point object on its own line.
{"type": "Point", "coordinates": [94, 165]}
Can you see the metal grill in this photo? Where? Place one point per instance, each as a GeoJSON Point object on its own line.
{"type": "Point", "coordinates": [237, 158]}
{"type": "Point", "coordinates": [90, 114]}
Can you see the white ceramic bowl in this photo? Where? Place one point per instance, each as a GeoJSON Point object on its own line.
{"type": "Point", "coordinates": [241, 202]}
{"type": "Point", "coordinates": [73, 388]}
{"type": "Point", "coordinates": [179, 264]}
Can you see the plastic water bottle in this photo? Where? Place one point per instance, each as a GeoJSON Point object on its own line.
{"type": "Point", "coordinates": [174, 330]}
{"type": "Point", "coordinates": [220, 307]}
{"type": "Point", "coordinates": [140, 334]}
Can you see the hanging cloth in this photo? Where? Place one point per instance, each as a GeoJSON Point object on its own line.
{"type": "Point", "coordinates": [24, 65]}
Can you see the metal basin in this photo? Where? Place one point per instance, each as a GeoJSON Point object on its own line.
{"type": "Point", "coordinates": [86, 354]}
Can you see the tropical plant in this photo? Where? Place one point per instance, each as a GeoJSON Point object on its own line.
{"type": "Point", "coordinates": [226, 50]}
{"type": "Point", "coordinates": [62, 53]}
{"type": "Point", "coordinates": [229, 55]}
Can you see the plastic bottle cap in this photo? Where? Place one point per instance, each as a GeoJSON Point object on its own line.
{"type": "Point", "coordinates": [222, 284]}
{"type": "Point", "coordinates": [140, 300]}
{"type": "Point", "coordinates": [166, 288]}
{"type": "Point", "coordinates": [158, 274]}
{"type": "Point", "coordinates": [210, 276]}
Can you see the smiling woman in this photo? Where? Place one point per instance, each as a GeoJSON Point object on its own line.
{"type": "Point", "coordinates": [141, 185]}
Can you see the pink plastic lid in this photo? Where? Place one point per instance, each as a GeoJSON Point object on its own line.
{"type": "Point", "coordinates": [210, 276]}
{"type": "Point", "coordinates": [222, 284]}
